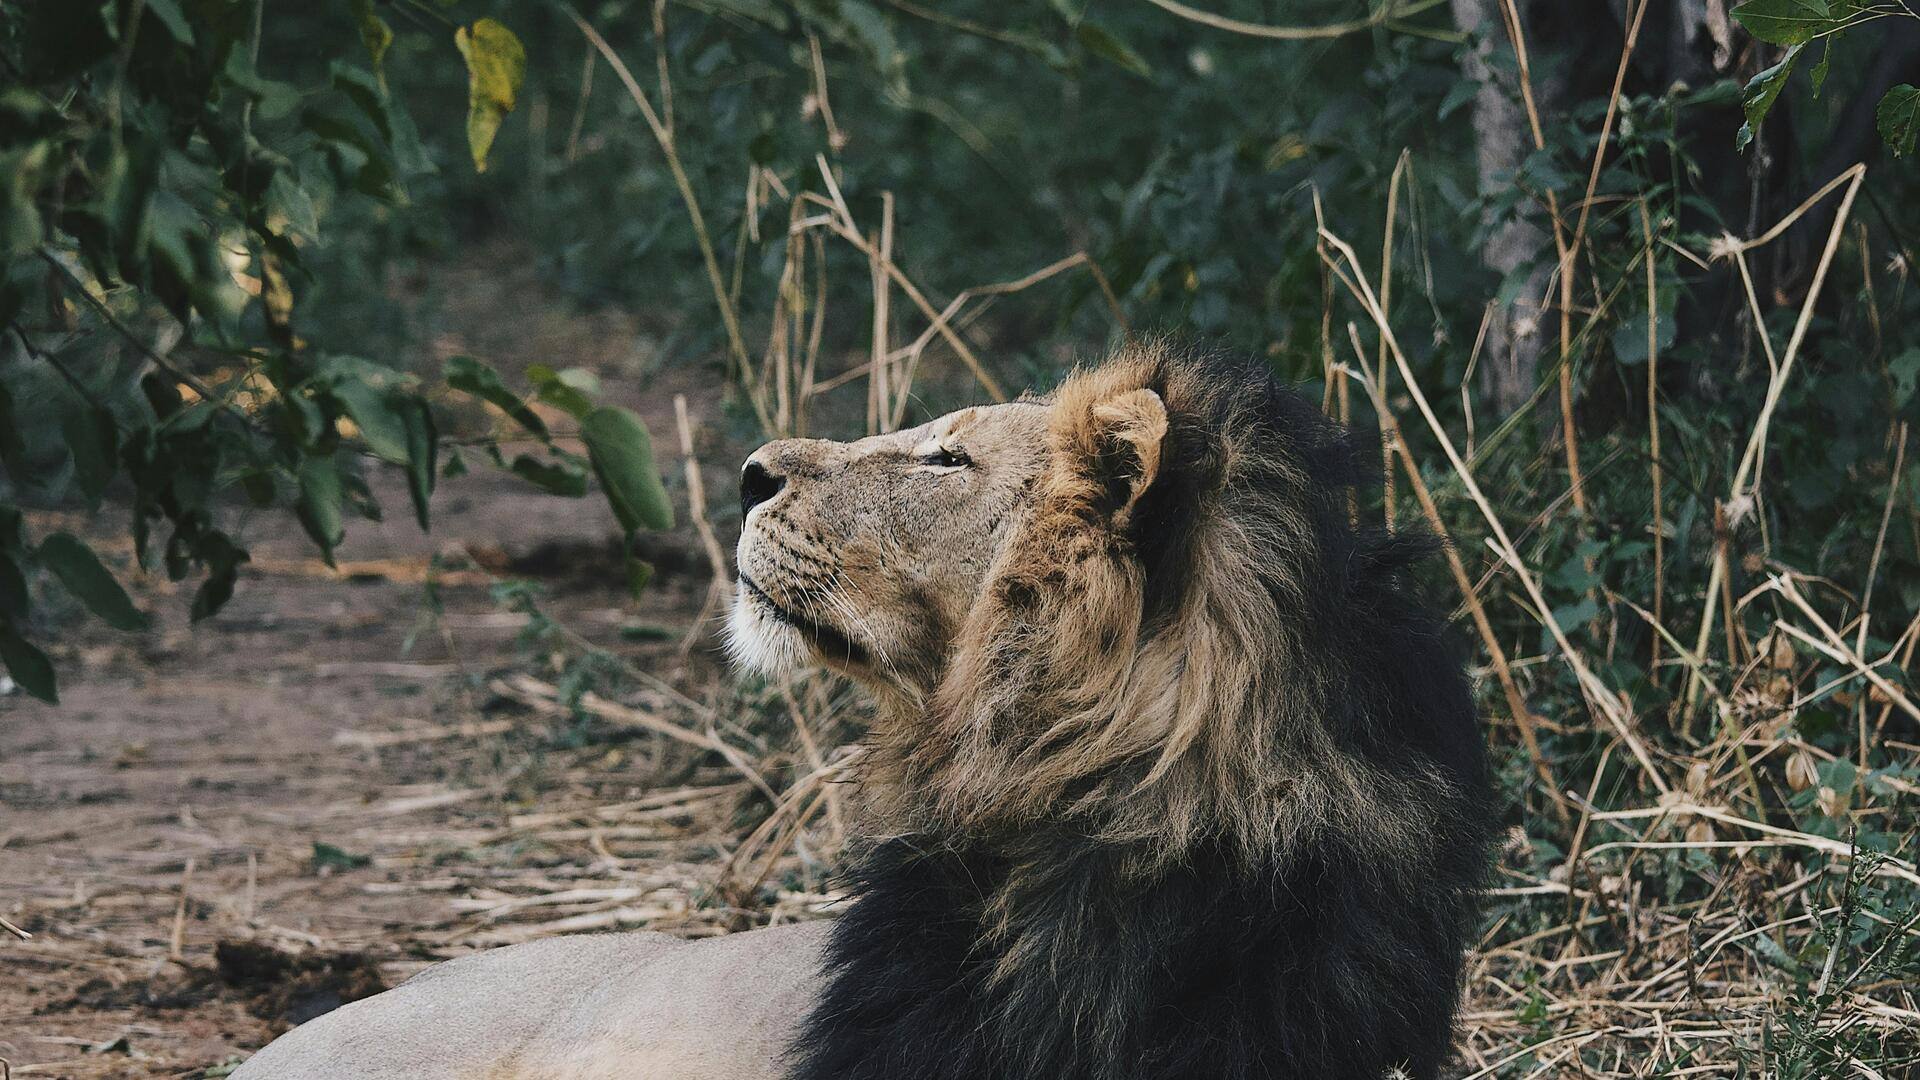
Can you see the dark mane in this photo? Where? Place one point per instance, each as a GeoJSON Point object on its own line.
{"type": "Point", "coordinates": [1281, 885]}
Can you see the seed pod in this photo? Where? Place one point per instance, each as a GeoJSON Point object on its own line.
{"type": "Point", "coordinates": [1801, 773]}
{"type": "Point", "coordinates": [1830, 802]}
{"type": "Point", "coordinates": [1782, 651]}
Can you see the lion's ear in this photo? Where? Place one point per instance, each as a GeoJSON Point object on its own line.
{"type": "Point", "coordinates": [1129, 430]}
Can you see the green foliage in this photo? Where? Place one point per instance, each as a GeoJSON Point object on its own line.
{"type": "Point", "coordinates": [80, 571]}
{"type": "Point", "coordinates": [1795, 24]}
{"type": "Point", "coordinates": [1898, 118]}
{"type": "Point", "coordinates": [622, 457]}
{"type": "Point", "coordinates": [165, 215]}
{"type": "Point", "coordinates": [1791, 22]}
{"type": "Point", "coordinates": [1762, 91]}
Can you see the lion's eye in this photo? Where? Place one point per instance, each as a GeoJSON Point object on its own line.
{"type": "Point", "coordinates": [946, 457]}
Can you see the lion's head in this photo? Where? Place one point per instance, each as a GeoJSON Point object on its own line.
{"type": "Point", "coordinates": [868, 556]}
{"type": "Point", "coordinates": [1135, 608]}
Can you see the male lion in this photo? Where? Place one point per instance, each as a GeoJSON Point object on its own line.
{"type": "Point", "coordinates": [1169, 777]}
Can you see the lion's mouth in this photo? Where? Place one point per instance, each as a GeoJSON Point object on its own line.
{"type": "Point", "coordinates": [831, 643]}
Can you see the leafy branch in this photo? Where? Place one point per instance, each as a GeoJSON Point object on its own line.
{"type": "Point", "coordinates": [1797, 24]}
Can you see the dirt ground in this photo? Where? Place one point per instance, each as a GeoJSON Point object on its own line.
{"type": "Point", "coordinates": [225, 829]}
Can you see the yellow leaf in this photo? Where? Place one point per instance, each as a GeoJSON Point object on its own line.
{"type": "Point", "coordinates": [496, 65]}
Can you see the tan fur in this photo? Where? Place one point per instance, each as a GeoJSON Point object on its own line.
{"type": "Point", "coordinates": [591, 1007]}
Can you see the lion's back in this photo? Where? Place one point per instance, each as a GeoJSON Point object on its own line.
{"type": "Point", "coordinates": [595, 1007]}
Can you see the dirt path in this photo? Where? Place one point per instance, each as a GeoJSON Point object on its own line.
{"type": "Point", "coordinates": [225, 829]}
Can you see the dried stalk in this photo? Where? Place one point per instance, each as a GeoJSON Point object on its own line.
{"type": "Point", "coordinates": [1523, 717]}
{"type": "Point", "coordinates": [1598, 694]}
{"type": "Point", "coordinates": [1653, 436]}
{"type": "Point", "coordinates": [1739, 493]}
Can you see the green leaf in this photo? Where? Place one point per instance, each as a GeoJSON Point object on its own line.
{"type": "Point", "coordinates": [1899, 119]}
{"type": "Point", "coordinates": [862, 25]}
{"type": "Point", "coordinates": [639, 572]}
{"type": "Point", "coordinates": [376, 35]}
{"type": "Point", "coordinates": [562, 476]}
{"type": "Point", "coordinates": [1786, 22]}
{"type": "Point", "coordinates": [21, 229]}
{"type": "Point", "coordinates": [291, 202]}
{"type": "Point", "coordinates": [377, 412]}
{"type": "Point", "coordinates": [466, 373]}
{"type": "Point", "coordinates": [423, 452]}
{"type": "Point", "coordinates": [13, 589]}
{"type": "Point", "coordinates": [222, 558]}
{"type": "Point", "coordinates": [319, 506]}
{"type": "Point", "coordinates": [28, 666]}
{"type": "Point", "coordinates": [622, 456]}
{"type": "Point", "coordinates": [272, 99]}
{"type": "Point", "coordinates": [762, 11]}
{"type": "Point", "coordinates": [1818, 76]}
{"type": "Point", "coordinates": [333, 857]}
{"type": "Point", "coordinates": [170, 16]}
{"type": "Point", "coordinates": [1761, 92]}
{"type": "Point", "coordinates": [13, 447]}
{"type": "Point", "coordinates": [1630, 337]}
{"type": "Point", "coordinates": [496, 65]}
{"type": "Point", "coordinates": [79, 569]}
{"type": "Point", "coordinates": [13, 535]}
{"type": "Point", "coordinates": [1102, 43]}
{"type": "Point", "coordinates": [1905, 370]}
{"type": "Point", "coordinates": [92, 440]}
{"type": "Point", "coordinates": [569, 391]}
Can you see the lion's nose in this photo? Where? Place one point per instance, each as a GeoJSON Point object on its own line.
{"type": "Point", "coordinates": [757, 485]}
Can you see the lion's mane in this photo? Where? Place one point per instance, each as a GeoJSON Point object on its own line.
{"type": "Point", "coordinates": [1202, 793]}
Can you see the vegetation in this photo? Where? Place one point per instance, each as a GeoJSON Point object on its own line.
{"type": "Point", "coordinates": [1626, 297]}
{"type": "Point", "coordinates": [161, 192]}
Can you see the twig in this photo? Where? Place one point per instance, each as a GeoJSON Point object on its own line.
{"type": "Point", "coordinates": [836, 139]}
{"type": "Point", "coordinates": [375, 740]}
{"type": "Point", "coordinates": [843, 226]}
{"type": "Point", "coordinates": [1386, 305]}
{"type": "Point", "coordinates": [178, 940]}
{"type": "Point", "coordinates": [1383, 15]}
{"type": "Point", "coordinates": [1834, 647]}
{"type": "Point", "coordinates": [100, 308]}
{"type": "Point", "coordinates": [1653, 436]}
{"type": "Point", "coordinates": [580, 108]}
{"type": "Point", "coordinates": [531, 691]}
{"type": "Point", "coordinates": [720, 585]}
{"type": "Point", "coordinates": [1897, 867]}
{"type": "Point", "coordinates": [879, 386]}
{"type": "Point", "coordinates": [1516, 702]}
{"type": "Point", "coordinates": [1873, 566]}
{"type": "Point", "coordinates": [1738, 492]}
{"type": "Point", "coordinates": [663, 135]}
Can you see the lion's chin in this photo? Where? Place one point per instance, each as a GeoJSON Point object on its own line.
{"type": "Point", "coordinates": [759, 640]}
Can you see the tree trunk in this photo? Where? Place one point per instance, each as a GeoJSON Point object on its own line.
{"type": "Point", "coordinates": [1510, 357]}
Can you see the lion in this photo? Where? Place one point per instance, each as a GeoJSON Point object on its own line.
{"type": "Point", "coordinates": [1170, 775]}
